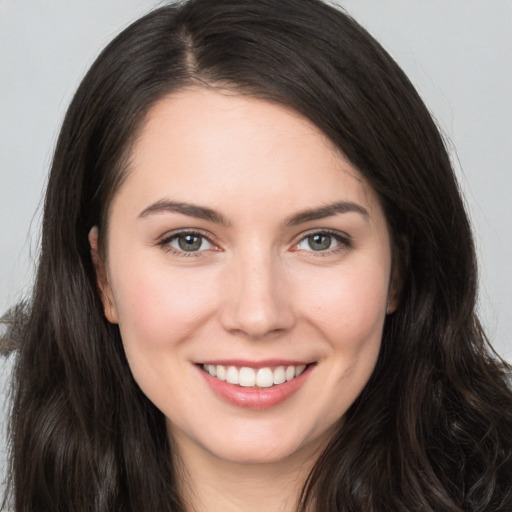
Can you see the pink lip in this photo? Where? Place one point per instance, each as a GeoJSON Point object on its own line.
{"type": "Point", "coordinates": [255, 398]}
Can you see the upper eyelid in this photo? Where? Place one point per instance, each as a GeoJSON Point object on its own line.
{"type": "Point", "coordinates": [334, 232]}
{"type": "Point", "coordinates": [168, 236]}
{"type": "Point", "coordinates": [344, 243]}
{"type": "Point", "coordinates": [164, 242]}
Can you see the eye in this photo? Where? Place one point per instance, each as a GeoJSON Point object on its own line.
{"type": "Point", "coordinates": [187, 242]}
{"type": "Point", "coordinates": [322, 241]}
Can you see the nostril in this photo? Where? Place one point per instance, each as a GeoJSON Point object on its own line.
{"type": "Point", "coordinates": [258, 321]}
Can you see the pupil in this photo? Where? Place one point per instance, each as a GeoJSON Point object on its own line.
{"type": "Point", "coordinates": [319, 242]}
{"type": "Point", "coordinates": [189, 242]}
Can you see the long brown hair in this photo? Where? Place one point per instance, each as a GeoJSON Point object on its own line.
{"type": "Point", "coordinates": [432, 430]}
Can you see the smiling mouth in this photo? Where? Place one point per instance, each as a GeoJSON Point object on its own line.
{"type": "Point", "coordinates": [246, 377]}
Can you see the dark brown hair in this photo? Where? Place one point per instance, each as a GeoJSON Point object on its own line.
{"type": "Point", "coordinates": [432, 430]}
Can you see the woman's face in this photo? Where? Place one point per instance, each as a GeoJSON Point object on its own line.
{"type": "Point", "coordinates": [242, 244]}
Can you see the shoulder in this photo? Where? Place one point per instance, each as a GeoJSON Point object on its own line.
{"type": "Point", "coordinates": [6, 367]}
{"type": "Point", "coordinates": [12, 325]}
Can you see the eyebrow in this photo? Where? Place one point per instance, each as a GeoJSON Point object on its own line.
{"type": "Point", "coordinates": [327, 211]}
{"type": "Point", "coordinates": [202, 212]}
{"type": "Point", "coordinates": [192, 210]}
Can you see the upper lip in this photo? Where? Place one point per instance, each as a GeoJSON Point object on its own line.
{"type": "Point", "coordinates": [265, 363]}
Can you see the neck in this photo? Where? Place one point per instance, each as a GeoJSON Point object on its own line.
{"type": "Point", "coordinates": [210, 484]}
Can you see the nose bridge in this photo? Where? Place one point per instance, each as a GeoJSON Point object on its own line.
{"type": "Point", "coordinates": [257, 302]}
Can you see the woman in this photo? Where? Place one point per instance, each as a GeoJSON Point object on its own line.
{"type": "Point", "coordinates": [257, 284]}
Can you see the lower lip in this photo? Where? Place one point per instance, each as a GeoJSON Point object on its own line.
{"type": "Point", "coordinates": [255, 398]}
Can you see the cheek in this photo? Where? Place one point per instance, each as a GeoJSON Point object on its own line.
{"type": "Point", "coordinates": [348, 306]}
{"type": "Point", "coordinates": [159, 313]}
{"type": "Point", "coordinates": [157, 306]}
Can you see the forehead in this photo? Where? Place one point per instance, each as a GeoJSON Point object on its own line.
{"type": "Point", "coordinates": [226, 150]}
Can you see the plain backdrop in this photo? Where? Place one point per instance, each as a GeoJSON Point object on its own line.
{"type": "Point", "coordinates": [458, 53]}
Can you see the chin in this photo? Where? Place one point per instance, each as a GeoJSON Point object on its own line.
{"type": "Point", "coordinates": [256, 444]}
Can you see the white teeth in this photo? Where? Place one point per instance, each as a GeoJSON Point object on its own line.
{"type": "Point", "coordinates": [264, 378]}
{"type": "Point", "coordinates": [279, 375]}
{"type": "Point", "coordinates": [299, 369]}
{"type": "Point", "coordinates": [249, 377]}
{"type": "Point", "coordinates": [221, 372]}
{"type": "Point", "coordinates": [232, 375]}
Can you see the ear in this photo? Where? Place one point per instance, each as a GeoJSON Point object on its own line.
{"type": "Point", "coordinates": [106, 295]}
{"type": "Point", "coordinates": [394, 292]}
{"type": "Point", "coordinates": [400, 262]}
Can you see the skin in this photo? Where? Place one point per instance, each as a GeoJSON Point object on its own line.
{"type": "Point", "coordinates": [255, 289]}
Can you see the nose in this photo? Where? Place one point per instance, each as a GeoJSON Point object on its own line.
{"type": "Point", "coordinates": [257, 301]}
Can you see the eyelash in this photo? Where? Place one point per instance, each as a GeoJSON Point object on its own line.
{"type": "Point", "coordinates": [343, 240]}
{"type": "Point", "coordinates": [166, 241]}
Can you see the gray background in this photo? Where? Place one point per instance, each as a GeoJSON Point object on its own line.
{"type": "Point", "coordinates": [456, 52]}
